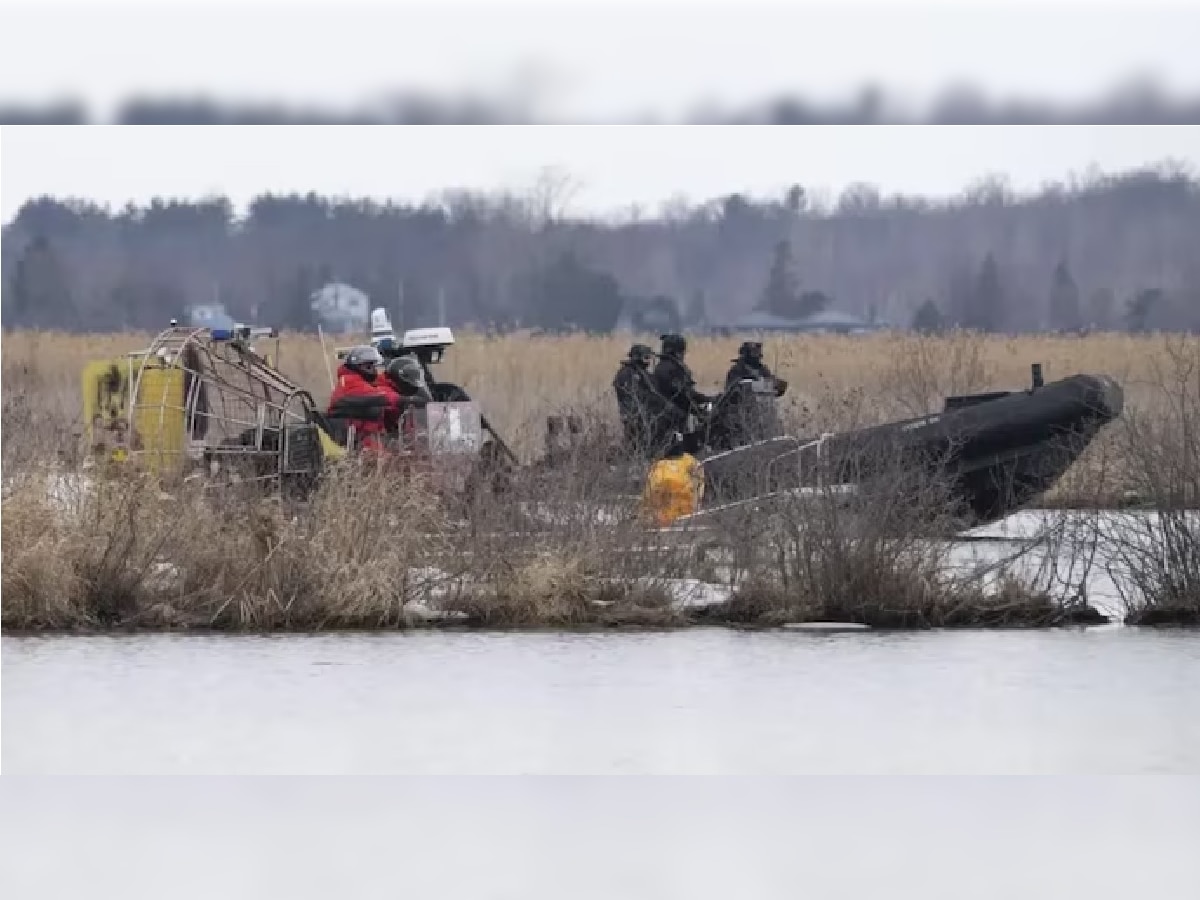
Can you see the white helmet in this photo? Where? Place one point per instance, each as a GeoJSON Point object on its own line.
{"type": "Point", "coordinates": [364, 359]}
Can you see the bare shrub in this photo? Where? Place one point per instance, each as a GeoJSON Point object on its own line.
{"type": "Point", "coordinates": [126, 554]}
{"type": "Point", "coordinates": [879, 554]}
{"type": "Point", "coordinates": [351, 558]}
{"type": "Point", "coordinates": [82, 555]}
{"type": "Point", "coordinates": [40, 590]}
{"type": "Point", "coordinates": [564, 542]}
{"type": "Point", "coordinates": [1155, 555]}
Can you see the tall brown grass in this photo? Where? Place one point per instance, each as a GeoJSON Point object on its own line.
{"type": "Point", "coordinates": [372, 551]}
{"type": "Point", "coordinates": [835, 381]}
{"type": "Point", "coordinates": [369, 550]}
{"type": "Point", "coordinates": [1155, 560]}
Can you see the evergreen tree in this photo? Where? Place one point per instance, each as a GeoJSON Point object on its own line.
{"type": "Point", "coordinates": [782, 292]}
{"type": "Point", "coordinates": [40, 287]}
{"type": "Point", "coordinates": [1065, 312]}
{"type": "Point", "coordinates": [568, 295]}
{"type": "Point", "coordinates": [928, 319]}
{"type": "Point", "coordinates": [984, 303]}
{"type": "Point", "coordinates": [782, 295]}
{"type": "Point", "coordinates": [1142, 310]}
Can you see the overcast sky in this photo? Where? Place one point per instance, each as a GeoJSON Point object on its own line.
{"type": "Point", "coordinates": [612, 59]}
{"type": "Point", "coordinates": [611, 166]}
{"type": "Point", "coordinates": [601, 63]}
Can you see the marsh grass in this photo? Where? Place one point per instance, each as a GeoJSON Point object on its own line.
{"type": "Point", "coordinates": [1155, 558]}
{"type": "Point", "coordinates": [881, 556]}
{"type": "Point", "coordinates": [835, 381]}
{"type": "Point", "coordinates": [565, 547]}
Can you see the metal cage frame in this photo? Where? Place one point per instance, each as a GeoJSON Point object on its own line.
{"type": "Point", "coordinates": [238, 413]}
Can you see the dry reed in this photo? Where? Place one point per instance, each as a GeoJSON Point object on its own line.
{"type": "Point", "coordinates": [372, 553]}
{"type": "Point", "coordinates": [835, 381]}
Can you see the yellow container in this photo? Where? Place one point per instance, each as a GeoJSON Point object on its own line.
{"type": "Point", "coordinates": [674, 488]}
{"type": "Point", "coordinates": [159, 416]}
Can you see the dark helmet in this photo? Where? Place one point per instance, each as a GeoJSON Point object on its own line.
{"type": "Point", "coordinates": [364, 360]}
{"type": "Point", "coordinates": [640, 354]}
{"type": "Point", "coordinates": [408, 376]}
{"type": "Point", "coordinates": [679, 443]}
{"type": "Point", "coordinates": [388, 347]}
{"type": "Point", "coordinates": [751, 351]}
{"type": "Point", "coordinates": [674, 446]}
{"type": "Point", "coordinates": [673, 344]}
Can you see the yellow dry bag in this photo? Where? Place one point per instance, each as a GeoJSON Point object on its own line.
{"type": "Point", "coordinates": [674, 489]}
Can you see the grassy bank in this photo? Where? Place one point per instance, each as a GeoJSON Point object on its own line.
{"type": "Point", "coordinates": [370, 552]}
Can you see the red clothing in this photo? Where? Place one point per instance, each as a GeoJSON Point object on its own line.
{"type": "Point", "coordinates": [370, 406]}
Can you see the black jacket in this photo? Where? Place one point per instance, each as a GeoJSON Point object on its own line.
{"type": "Point", "coordinates": [674, 381]}
{"type": "Point", "coordinates": [742, 369]}
{"type": "Point", "coordinates": [635, 391]}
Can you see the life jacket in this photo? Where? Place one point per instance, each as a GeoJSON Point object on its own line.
{"type": "Point", "coordinates": [674, 488]}
{"type": "Point", "coordinates": [366, 405]}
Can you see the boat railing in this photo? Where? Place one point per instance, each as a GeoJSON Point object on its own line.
{"type": "Point", "coordinates": [814, 448]}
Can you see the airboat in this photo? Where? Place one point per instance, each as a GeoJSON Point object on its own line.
{"type": "Point", "coordinates": [205, 403]}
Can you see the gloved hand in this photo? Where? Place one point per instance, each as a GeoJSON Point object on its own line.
{"type": "Point", "coordinates": [781, 386]}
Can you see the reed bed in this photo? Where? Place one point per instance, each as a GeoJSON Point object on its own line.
{"type": "Point", "coordinates": [835, 381]}
{"type": "Point", "coordinates": [372, 552]}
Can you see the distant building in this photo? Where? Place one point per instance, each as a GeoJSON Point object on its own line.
{"type": "Point", "coordinates": [210, 315]}
{"type": "Point", "coordinates": [341, 308]}
{"type": "Point", "coordinates": [655, 315]}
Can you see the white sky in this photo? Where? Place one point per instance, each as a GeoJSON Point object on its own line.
{"type": "Point", "coordinates": [604, 63]}
{"type": "Point", "coordinates": [611, 166]}
{"type": "Point", "coordinates": [604, 60]}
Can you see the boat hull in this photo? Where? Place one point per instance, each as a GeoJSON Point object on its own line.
{"type": "Point", "coordinates": [996, 452]}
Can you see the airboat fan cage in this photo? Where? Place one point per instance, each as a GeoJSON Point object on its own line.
{"type": "Point", "coordinates": [204, 396]}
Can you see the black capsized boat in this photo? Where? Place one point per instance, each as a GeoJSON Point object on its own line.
{"type": "Point", "coordinates": [997, 450]}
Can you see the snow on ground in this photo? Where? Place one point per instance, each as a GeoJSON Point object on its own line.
{"type": "Point", "coordinates": [691, 593]}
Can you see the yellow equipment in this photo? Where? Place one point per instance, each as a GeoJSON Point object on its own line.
{"type": "Point", "coordinates": [204, 399]}
{"type": "Point", "coordinates": [674, 488]}
{"type": "Point", "coordinates": [154, 428]}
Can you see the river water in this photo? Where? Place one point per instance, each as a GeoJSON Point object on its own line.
{"type": "Point", "coordinates": [1108, 701]}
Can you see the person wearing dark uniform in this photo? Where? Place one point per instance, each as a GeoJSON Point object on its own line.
{"type": "Point", "coordinates": [408, 378]}
{"type": "Point", "coordinates": [673, 380]}
{"type": "Point", "coordinates": [749, 364]}
{"type": "Point", "coordinates": [746, 415]}
{"type": "Point", "coordinates": [638, 403]}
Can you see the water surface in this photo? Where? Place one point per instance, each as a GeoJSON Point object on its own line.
{"type": "Point", "coordinates": [1107, 700]}
{"type": "Point", "coordinates": [1104, 702]}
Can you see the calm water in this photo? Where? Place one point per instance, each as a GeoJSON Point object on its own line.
{"type": "Point", "coordinates": [1111, 700]}
{"type": "Point", "coordinates": [1105, 702]}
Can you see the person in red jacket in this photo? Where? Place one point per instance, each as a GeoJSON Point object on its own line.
{"type": "Point", "coordinates": [363, 399]}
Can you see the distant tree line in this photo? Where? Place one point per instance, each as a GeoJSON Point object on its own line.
{"type": "Point", "coordinates": [1111, 252]}
{"type": "Point", "coordinates": [1134, 102]}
